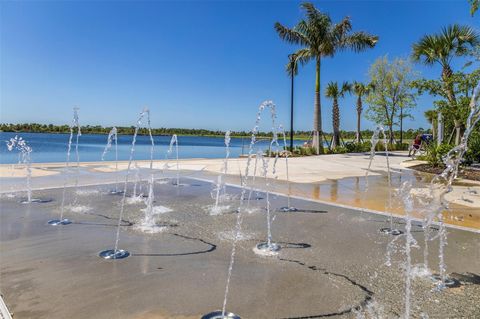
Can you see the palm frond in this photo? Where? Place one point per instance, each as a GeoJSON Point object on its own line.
{"type": "Point", "coordinates": [332, 91]}
{"type": "Point", "coordinates": [474, 6]}
{"type": "Point", "coordinates": [341, 30]}
{"type": "Point", "coordinates": [358, 88]}
{"type": "Point", "coordinates": [314, 15]}
{"type": "Point", "coordinates": [292, 66]}
{"type": "Point", "coordinates": [453, 40]}
{"type": "Point", "coordinates": [303, 27]}
{"type": "Point", "coordinates": [304, 56]}
{"type": "Point", "coordinates": [301, 56]}
{"type": "Point", "coordinates": [346, 88]}
{"type": "Point", "coordinates": [359, 41]}
{"type": "Point", "coordinates": [427, 48]}
{"type": "Point", "coordinates": [290, 35]}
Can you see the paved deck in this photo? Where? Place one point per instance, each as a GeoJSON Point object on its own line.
{"type": "Point", "coordinates": [332, 261]}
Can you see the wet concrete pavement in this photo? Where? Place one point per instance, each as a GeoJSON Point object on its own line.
{"type": "Point", "coordinates": [332, 262]}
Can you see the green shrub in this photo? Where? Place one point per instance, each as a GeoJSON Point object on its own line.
{"type": "Point", "coordinates": [340, 150]}
{"type": "Point", "coordinates": [306, 151]}
{"type": "Point", "coordinates": [422, 157]}
{"type": "Point", "coordinates": [473, 151]}
{"type": "Point", "coordinates": [442, 150]}
{"type": "Point", "coordinates": [431, 155]}
{"type": "Point", "coordinates": [392, 146]}
{"type": "Point", "coordinates": [400, 146]}
{"type": "Point", "coordinates": [366, 147]}
{"type": "Point", "coordinates": [352, 147]}
{"type": "Point", "coordinates": [435, 154]}
{"type": "Point", "coordinates": [379, 147]}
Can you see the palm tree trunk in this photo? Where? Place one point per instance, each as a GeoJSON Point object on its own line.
{"type": "Point", "coordinates": [359, 114]}
{"type": "Point", "coordinates": [317, 114]}
{"type": "Point", "coordinates": [335, 124]}
{"type": "Point", "coordinates": [448, 87]}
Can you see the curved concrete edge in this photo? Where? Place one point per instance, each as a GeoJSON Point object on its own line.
{"type": "Point", "coordinates": [4, 312]}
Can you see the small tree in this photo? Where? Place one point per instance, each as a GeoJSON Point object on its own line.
{"type": "Point", "coordinates": [334, 92]}
{"type": "Point", "coordinates": [392, 98]}
{"type": "Point", "coordinates": [462, 85]}
{"type": "Point", "coordinates": [453, 41]}
{"type": "Point", "coordinates": [360, 90]}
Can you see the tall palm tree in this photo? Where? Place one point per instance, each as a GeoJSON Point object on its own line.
{"type": "Point", "coordinates": [320, 38]}
{"type": "Point", "coordinates": [360, 90]}
{"type": "Point", "coordinates": [453, 41]}
{"type": "Point", "coordinates": [334, 92]}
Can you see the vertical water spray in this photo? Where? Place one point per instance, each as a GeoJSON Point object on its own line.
{"type": "Point", "coordinates": [289, 207]}
{"type": "Point", "coordinates": [220, 185]}
{"type": "Point", "coordinates": [113, 136]}
{"type": "Point", "coordinates": [149, 220]}
{"type": "Point", "coordinates": [116, 253]}
{"type": "Point", "coordinates": [258, 158]}
{"type": "Point", "coordinates": [405, 192]}
{"type": "Point", "coordinates": [137, 180]}
{"type": "Point", "coordinates": [269, 248]}
{"type": "Point", "coordinates": [19, 144]}
{"type": "Point", "coordinates": [174, 141]}
{"type": "Point", "coordinates": [441, 185]}
{"type": "Point", "coordinates": [238, 225]}
{"type": "Point", "coordinates": [75, 123]}
{"type": "Point", "coordinates": [374, 141]}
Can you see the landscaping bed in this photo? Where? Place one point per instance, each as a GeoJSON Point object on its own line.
{"type": "Point", "coordinates": [465, 173]}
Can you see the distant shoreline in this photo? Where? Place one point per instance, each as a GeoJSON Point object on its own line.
{"type": "Point", "coordinates": [298, 137]}
{"type": "Point", "coordinates": [162, 131]}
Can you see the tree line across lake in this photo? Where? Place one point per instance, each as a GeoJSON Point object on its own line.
{"type": "Point", "coordinates": [129, 130]}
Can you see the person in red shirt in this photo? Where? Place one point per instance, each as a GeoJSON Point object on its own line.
{"type": "Point", "coordinates": [415, 145]}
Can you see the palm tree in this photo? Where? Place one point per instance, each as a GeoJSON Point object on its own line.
{"type": "Point", "coordinates": [319, 38]}
{"type": "Point", "coordinates": [454, 40]}
{"type": "Point", "coordinates": [360, 90]}
{"type": "Point", "coordinates": [334, 92]}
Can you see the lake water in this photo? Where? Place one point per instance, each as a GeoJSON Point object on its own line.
{"type": "Point", "coordinates": [53, 147]}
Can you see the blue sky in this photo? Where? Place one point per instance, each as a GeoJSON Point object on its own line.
{"type": "Point", "coordinates": [197, 64]}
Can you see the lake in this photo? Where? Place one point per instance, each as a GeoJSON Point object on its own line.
{"type": "Point", "coordinates": [48, 147]}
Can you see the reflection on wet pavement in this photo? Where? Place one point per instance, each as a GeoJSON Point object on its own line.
{"type": "Point", "coordinates": [353, 191]}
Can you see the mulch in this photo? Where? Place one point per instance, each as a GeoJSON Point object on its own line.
{"type": "Point", "coordinates": [465, 173]}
